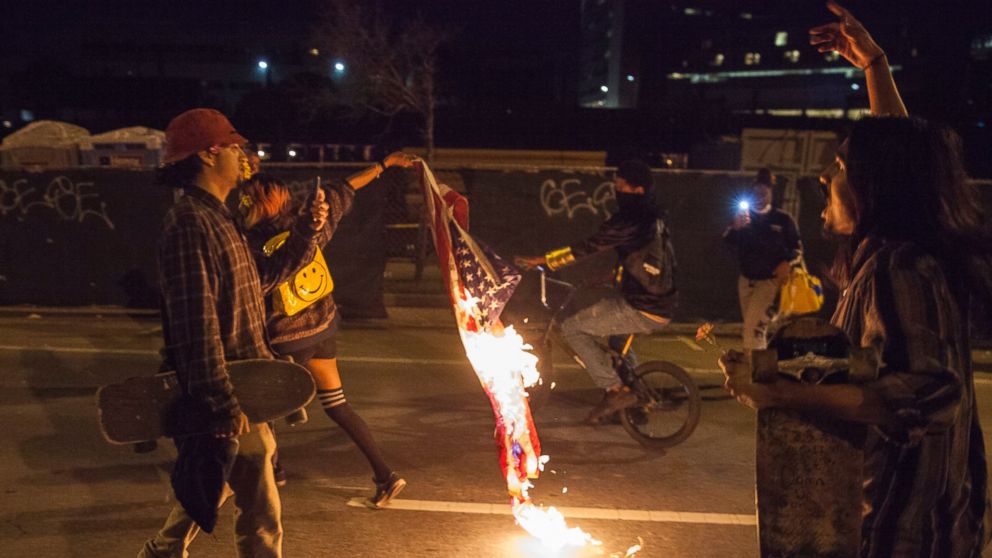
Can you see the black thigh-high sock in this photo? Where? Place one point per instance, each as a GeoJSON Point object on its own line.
{"type": "Point", "coordinates": [337, 407]}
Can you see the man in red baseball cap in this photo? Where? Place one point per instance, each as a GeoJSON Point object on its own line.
{"type": "Point", "coordinates": [196, 130]}
{"type": "Point", "coordinates": [213, 311]}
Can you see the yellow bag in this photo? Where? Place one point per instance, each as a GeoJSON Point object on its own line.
{"type": "Point", "coordinates": [309, 284]}
{"type": "Point", "coordinates": [803, 294]}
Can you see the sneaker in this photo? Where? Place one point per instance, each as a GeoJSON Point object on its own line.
{"type": "Point", "coordinates": [613, 401]}
{"type": "Point", "coordinates": [386, 491]}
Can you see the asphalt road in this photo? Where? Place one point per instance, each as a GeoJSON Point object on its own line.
{"type": "Point", "coordinates": [66, 492]}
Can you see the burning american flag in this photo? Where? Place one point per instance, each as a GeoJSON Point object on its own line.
{"type": "Point", "coordinates": [480, 283]}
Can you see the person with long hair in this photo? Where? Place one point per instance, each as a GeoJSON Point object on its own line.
{"type": "Point", "coordinates": [913, 261]}
{"type": "Point", "coordinates": [309, 334]}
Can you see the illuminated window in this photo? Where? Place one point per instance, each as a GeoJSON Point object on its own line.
{"type": "Point", "coordinates": [314, 52]}
{"type": "Point", "coordinates": [831, 56]}
{"type": "Point", "coordinates": [691, 11]}
{"type": "Point", "coordinates": [781, 39]}
{"type": "Point", "coordinates": [792, 56]}
{"type": "Point", "coordinates": [746, 15]}
{"type": "Point", "coordinates": [717, 59]}
{"type": "Point", "coordinates": [752, 58]}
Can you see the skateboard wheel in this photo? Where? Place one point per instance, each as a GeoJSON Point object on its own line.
{"type": "Point", "coordinates": [147, 446]}
{"type": "Point", "coordinates": [863, 365]}
{"type": "Point", "coordinates": [764, 365]}
{"type": "Point", "coordinates": [298, 416]}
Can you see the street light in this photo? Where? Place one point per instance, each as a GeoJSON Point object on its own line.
{"type": "Point", "coordinates": [339, 66]}
{"type": "Point", "coordinates": [263, 65]}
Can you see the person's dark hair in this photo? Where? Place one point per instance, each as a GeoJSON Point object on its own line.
{"type": "Point", "coordinates": [179, 174]}
{"type": "Point", "coordinates": [764, 176]}
{"type": "Point", "coordinates": [637, 173]}
{"type": "Point", "coordinates": [908, 183]}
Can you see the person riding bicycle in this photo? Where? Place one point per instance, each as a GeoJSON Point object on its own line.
{"type": "Point", "coordinates": [647, 283]}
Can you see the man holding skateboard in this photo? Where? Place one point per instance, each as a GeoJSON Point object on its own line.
{"type": "Point", "coordinates": [915, 251]}
{"type": "Point", "coordinates": [213, 312]}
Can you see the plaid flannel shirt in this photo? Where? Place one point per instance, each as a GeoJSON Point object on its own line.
{"type": "Point", "coordinates": [925, 479]}
{"type": "Point", "coordinates": [212, 302]}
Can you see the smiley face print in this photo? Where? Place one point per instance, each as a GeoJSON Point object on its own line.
{"type": "Point", "coordinates": [311, 281]}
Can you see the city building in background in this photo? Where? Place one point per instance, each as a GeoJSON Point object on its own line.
{"type": "Point", "coordinates": [675, 82]}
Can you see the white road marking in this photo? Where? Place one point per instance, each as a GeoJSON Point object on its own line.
{"type": "Point", "coordinates": [614, 514]}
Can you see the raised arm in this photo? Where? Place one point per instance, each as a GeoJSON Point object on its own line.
{"type": "Point", "coordinates": [851, 40]}
{"type": "Point", "coordinates": [363, 177]}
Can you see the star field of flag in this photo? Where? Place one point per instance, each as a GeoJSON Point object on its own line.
{"type": "Point", "coordinates": [492, 290]}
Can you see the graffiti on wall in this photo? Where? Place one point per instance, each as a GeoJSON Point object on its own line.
{"type": "Point", "coordinates": [568, 197]}
{"type": "Point", "coordinates": [69, 201]}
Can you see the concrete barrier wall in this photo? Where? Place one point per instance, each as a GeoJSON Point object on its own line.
{"type": "Point", "coordinates": [88, 236]}
{"type": "Point", "coordinates": [523, 212]}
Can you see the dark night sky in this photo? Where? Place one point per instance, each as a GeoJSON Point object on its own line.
{"type": "Point", "coordinates": [33, 29]}
{"type": "Point", "coordinates": [502, 54]}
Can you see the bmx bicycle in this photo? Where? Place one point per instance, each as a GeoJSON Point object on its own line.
{"type": "Point", "coordinates": [668, 400]}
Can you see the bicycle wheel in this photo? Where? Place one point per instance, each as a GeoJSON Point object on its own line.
{"type": "Point", "coordinates": [668, 406]}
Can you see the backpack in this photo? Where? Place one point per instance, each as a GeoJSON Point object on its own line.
{"type": "Point", "coordinates": [653, 265]}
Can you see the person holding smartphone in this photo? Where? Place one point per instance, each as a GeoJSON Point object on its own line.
{"type": "Point", "coordinates": [766, 242]}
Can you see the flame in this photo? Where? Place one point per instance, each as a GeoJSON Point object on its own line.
{"type": "Point", "coordinates": [548, 526]}
{"type": "Point", "coordinates": [505, 368]}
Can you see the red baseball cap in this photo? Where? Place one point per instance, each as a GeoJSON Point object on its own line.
{"type": "Point", "coordinates": [196, 130]}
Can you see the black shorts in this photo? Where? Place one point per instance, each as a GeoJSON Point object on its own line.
{"type": "Point", "coordinates": [326, 348]}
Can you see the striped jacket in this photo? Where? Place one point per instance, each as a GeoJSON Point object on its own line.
{"type": "Point", "coordinates": [925, 479]}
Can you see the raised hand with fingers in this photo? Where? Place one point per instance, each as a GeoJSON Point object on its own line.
{"type": "Point", "coordinates": [398, 159]}
{"type": "Point", "coordinates": [319, 210]}
{"type": "Point", "coordinates": [848, 37]}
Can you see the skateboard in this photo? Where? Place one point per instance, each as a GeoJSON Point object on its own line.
{"type": "Point", "coordinates": [143, 409]}
{"type": "Point", "coordinates": [808, 469]}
